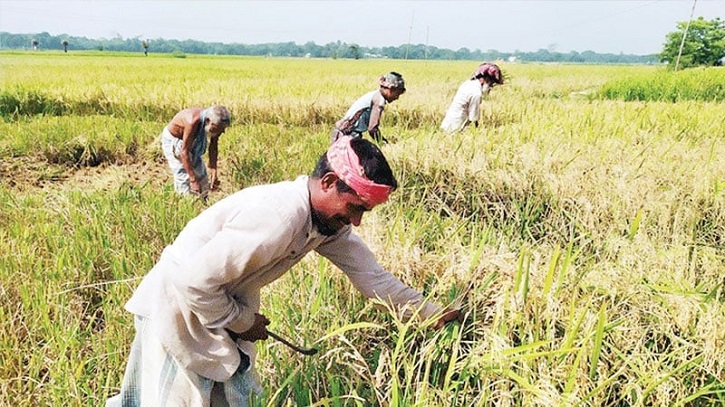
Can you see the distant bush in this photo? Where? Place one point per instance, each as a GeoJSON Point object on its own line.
{"type": "Point", "coordinates": [706, 84]}
{"type": "Point", "coordinates": [178, 54]}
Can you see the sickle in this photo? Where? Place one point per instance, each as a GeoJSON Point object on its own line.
{"type": "Point", "coordinates": [308, 352]}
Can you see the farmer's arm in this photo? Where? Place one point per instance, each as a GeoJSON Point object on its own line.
{"type": "Point", "coordinates": [465, 124]}
{"type": "Point", "coordinates": [376, 113]}
{"type": "Point", "coordinates": [213, 153]}
{"type": "Point", "coordinates": [190, 127]}
{"type": "Point", "coordinates": [354, 258]}
{"type": "Point", "coordinates": [474, 109]}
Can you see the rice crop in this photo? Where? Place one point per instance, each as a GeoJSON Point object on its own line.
{"type": "Point", "coordinates": [579, 230]}
{"type": "Point", "coordinates": [707, 85]}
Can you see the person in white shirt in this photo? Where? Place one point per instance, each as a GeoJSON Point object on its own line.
{"type": "Point", "coordinates": [367, 111]}
{"type": "Point", "coordinates": [205, 288]}
{"type": "Point", "coordinates": [465, 108]}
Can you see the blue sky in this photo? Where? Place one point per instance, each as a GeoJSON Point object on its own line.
{"type": "Point", "coordinates": [627, 26]}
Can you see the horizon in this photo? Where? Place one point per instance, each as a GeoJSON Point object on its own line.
{"type": "Point", "coordinates": [151, 40]}
{"type": "Point", "coordinates": [635, 27]}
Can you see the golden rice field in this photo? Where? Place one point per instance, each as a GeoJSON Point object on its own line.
{"type": "Point", "coordinates": [581, 232]}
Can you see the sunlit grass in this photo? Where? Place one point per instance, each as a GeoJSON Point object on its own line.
{"type": "Point", "coordinates": [701, 84]}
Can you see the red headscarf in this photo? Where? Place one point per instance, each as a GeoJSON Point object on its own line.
{"type": "Point", "coordinates": [490, 70]}
{"type": "Point", "coordinates": [346, 165]}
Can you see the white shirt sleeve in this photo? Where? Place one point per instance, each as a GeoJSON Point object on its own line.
{"type": "Point", "coordinates": [354, 258]}
{"type": "Point", "coordinates": [474, 107]}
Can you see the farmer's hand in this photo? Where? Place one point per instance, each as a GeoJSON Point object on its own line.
{"type": "Point", "coordinates": [215, 183]}
{"type": "Point", "coordinates": [257, 332]}
{"type": "Point", "coordinates": [213, 179]}
{"type": "Point", "coordinates": [449, 315]}
{"type": "Point", "coordinates": [194, 187]}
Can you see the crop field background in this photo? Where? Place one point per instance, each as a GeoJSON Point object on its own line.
{"type": "Point", "coordinates": [581, 228]}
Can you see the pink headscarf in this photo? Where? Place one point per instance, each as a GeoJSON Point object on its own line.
{"type": "Point", "coordinates": [490, 70]}
{"type": "Point", "coordinates": [346, 165]}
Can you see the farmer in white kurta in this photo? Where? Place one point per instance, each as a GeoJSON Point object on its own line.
{"type": "Point", "coordinates": [466, 106]}
{"type": "Point", "coordinates": [207, 283]}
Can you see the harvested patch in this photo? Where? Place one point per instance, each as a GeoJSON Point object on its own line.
{"type": "Point", "coordinates": [27, 173]}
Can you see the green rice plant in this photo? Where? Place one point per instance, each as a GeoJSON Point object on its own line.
{"type": "Point", "coordinates": [521, 278]}
{"type": "Point", "coordinates": [705, 84]}
{"type": "Point", "coordinates": [597, 345]}
{"type": "Point", "coordinates": [74, 143]}
{"type": "Point", "coordinates": [635, 225]}
{"type": "Point", "coordinates": [715, 388]}
{"type": "Point", "coordinates": [549, 280]}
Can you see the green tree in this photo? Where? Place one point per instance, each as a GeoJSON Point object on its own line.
{"type": "Point", "coordinates": [704, 43]}
{"type": "Point", "coordinates": [355, 51]}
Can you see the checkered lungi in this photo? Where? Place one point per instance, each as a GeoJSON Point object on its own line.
{"type": "Point", "coordinates": [171, 146]}
{"type": "Point", "coordinates": [153, 378]}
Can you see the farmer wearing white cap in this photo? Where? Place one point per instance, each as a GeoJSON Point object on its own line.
{"type": "Point", "coordinates": [465, 108]}
{"type": "Point", "coordinates": [205, 288]}
{"type": "Point", "coordinates": [365, 114]}
{"type": "Point", "coordinates": [184, 142]}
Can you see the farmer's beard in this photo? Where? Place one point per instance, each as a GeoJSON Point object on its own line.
{"type": "Point", "coordinates": [322, 226]}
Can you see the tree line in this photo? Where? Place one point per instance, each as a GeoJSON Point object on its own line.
{"type": "Point", "coordinates": [338, 49]}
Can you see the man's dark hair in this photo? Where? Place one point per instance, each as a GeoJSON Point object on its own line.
{"type": "Point", "coordinates": [372, 160]}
